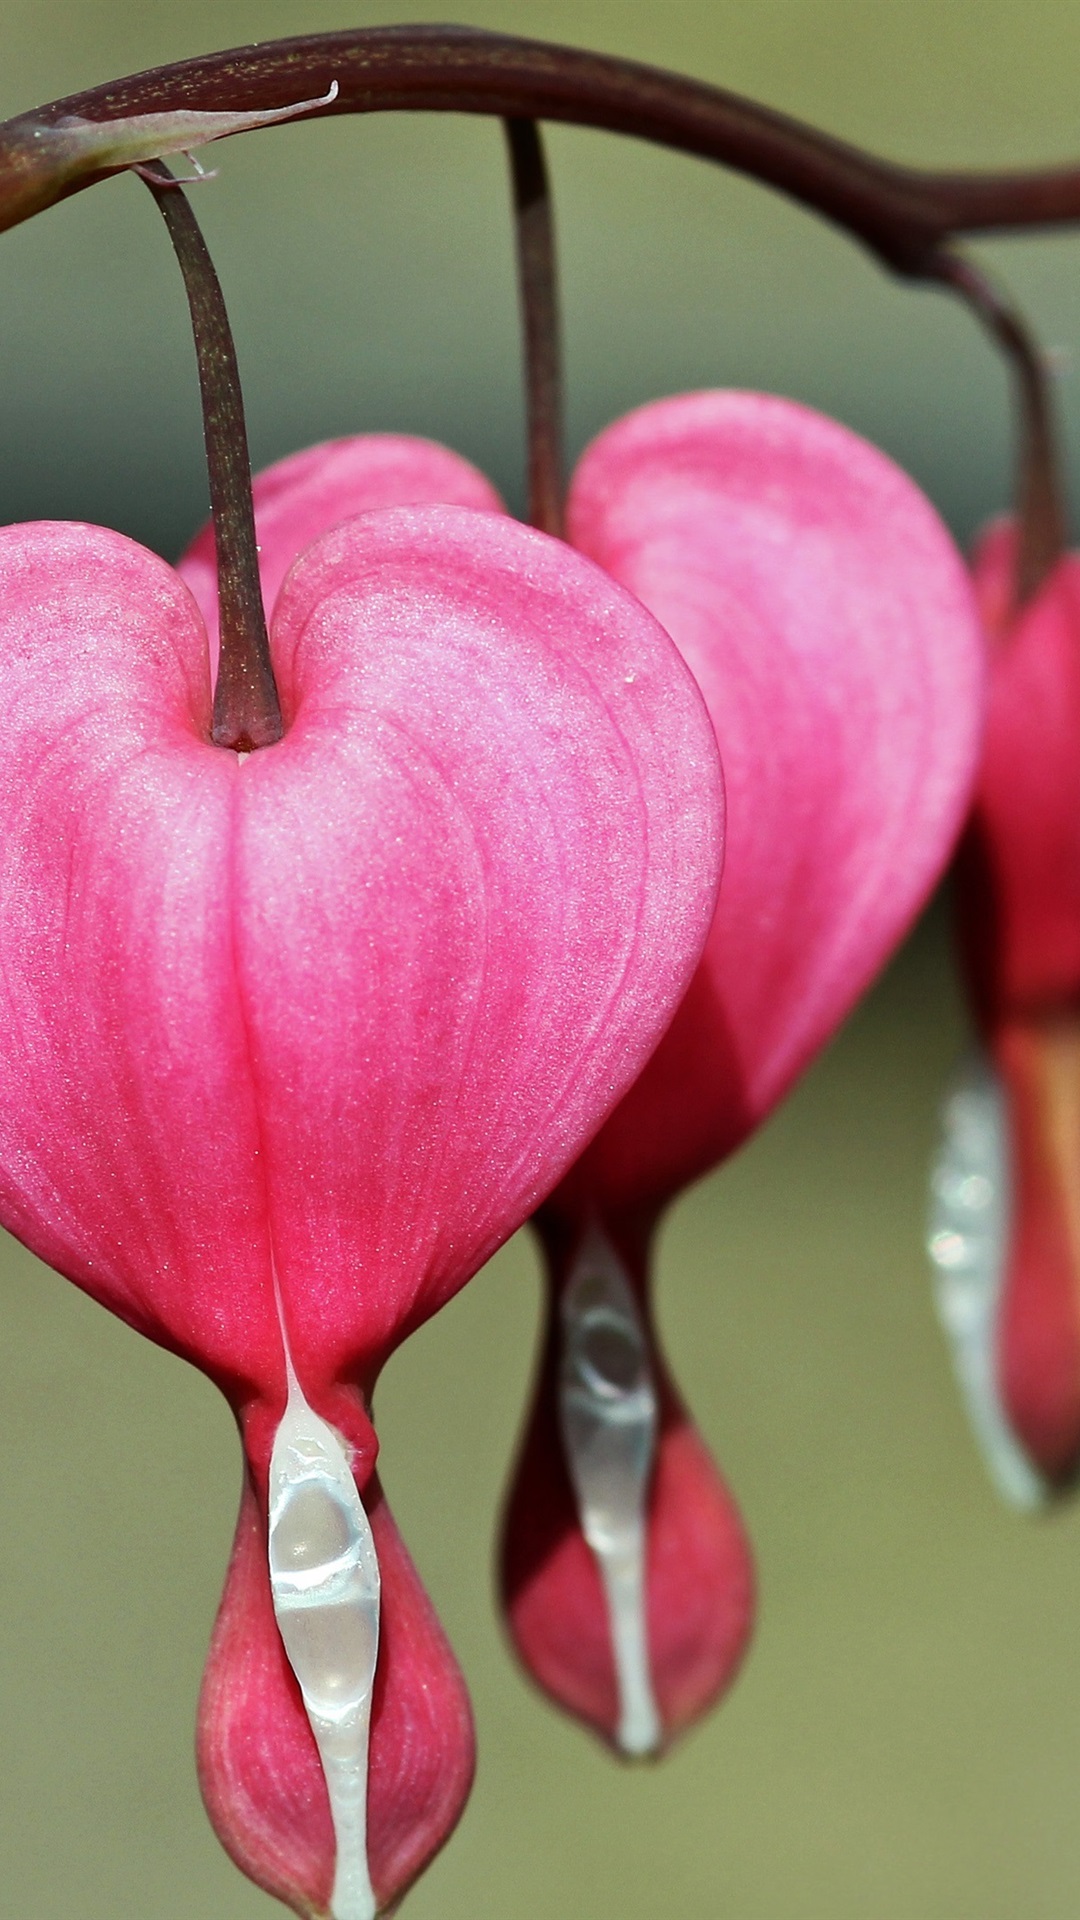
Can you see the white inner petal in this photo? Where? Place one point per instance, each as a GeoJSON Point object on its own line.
{"type": "Point", "coordinates": [968, 1241]}
{"type": "Point", "coordinates": [608, 1418]}
{"type": "Point", "coordinates": [324, 1577]}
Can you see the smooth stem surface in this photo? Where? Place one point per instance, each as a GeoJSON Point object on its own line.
{"type": "Point", "coordinates": [534, 227]}
{"type": "Point", "coordinates": [247, 712]}
{"type": "Point", "coordinates": [903, 214]}
{"type": "Point", "coordinates": [908, 217]}
{"type": "Point", "coordinates": [1040, 487]}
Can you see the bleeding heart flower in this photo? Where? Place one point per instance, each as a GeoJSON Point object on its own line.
{"type": "Point", "coordinates": [295, 1039]}
{"type": "Point", "coordinates": [824, 612]}
{"type": "Point", "coordinates": [827, 617]}
{"type": "Point", "coordinates": [1005, 1228]}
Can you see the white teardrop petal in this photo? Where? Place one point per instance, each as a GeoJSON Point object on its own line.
{"type": "Point", "coordinates": [608, 1416]}
{"type": "Point", "coordinates": [968, 1241]}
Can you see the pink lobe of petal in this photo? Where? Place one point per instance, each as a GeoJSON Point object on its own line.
{"type": "Point", "coordinates": [307, 494]}
{"type": "Point", "coordinates": [129, 1141]}
{"type": "Point", "coordinates": [1039, 1329]}
{"type": "Point", "coordinates": [471, 882]}
{"type": "Point", "coordinates": [1019, 872]}
{"type": "Point", "coordinates": [699, 1571]}
{"type": "Point", "coordinates": [259, 1769]}
{"type": "Point", "coordinates": [829, 622]}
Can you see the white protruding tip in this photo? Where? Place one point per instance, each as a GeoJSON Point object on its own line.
{"type": "Point", "coordinates": [608, 1416]}
{"type": "Point", "coordinates": [138, 137]}
{"type": "Point", "coordinates": [968, 1239]}
{"type": "Point", "coordinates": [324, 1578]}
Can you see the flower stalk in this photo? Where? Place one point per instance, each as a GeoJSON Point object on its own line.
{"type": "Point", "coordinates": [1040, 487]}
{"type": "Point", "coordinates": [907, 217]}
{"type": "Point", "coordinates": [534, 227]}
{"type": "Point", "coordinates": [902, 214]}
{"type": "Point", "coordinates": [247, 712]}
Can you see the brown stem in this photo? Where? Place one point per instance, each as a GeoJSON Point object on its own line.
{"type": "Point", "coordinates": [1040, 486]}
{"type": "Point", "coordinates": [902, 214]}
{"type": "Point", "coordinates": [906, 216]}
{"type": "Point", "coordinates": [538, 288]}
{"type": "Point", "coordinates": [247, 713]}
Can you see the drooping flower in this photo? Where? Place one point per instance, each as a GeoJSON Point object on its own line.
{"type": "Point", "coordinates": [1005, 1227]}
{"type": "Point", "coordinates": [293, 1040]}
{"type": "Point", "coordinates": [825, 614]}
{"type": "Point", "coordinates": [828, 620]}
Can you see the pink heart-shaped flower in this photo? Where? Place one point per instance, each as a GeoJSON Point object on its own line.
{"type": "Point", "coordinates": [826, 617]}
{"type": "Point", "coordinates": [295, 1040]}
{"type": "Point", "coordinates": [828, 620]}
{"type": "Point", "coordinates": [1009, 1266]}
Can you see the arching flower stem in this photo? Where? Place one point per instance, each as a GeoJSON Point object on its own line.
{"type": "Point", "coordinates": [247, 712]}
{"type": "Point", "coordinates": [534, 226]}
{"type": "Point", "coordinates": [1040, 485]}
{"type": "Point", "coordinates": [902, 214]}
{"type": "Point", "coordinates": [907, 217]}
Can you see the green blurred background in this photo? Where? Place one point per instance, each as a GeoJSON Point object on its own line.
{"type": "Point", "coordinates": [905, 1741]}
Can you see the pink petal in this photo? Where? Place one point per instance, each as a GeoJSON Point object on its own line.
{"type": "Point", "coordinates": [258, 1766]}
{"type": "Point", "coordinates": [699, 1585]}
{"type": "Point", "coordinates": [1038, 1331]}
{"type": "Point", "coordinates": [1021, 860]}
{"type": "Point", "coordinates": [306, 494]}
{"type": "Point", "coordinates": [368, 989]}
{"type": "Point", "coordinates": [457, 959]}
{"type": "Point", "coordinates": [129, 1142]}
{"type": "Point", "coordinates": [1018, 898]}
{"type": "Point", "coordinates": [828, 620]}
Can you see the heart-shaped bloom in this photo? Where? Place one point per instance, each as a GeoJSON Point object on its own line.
{"type": "Point", "coordinates": [1005, 1228]}
{"type": "Point", "coordinates": [825, 614]}
{"type": "Point", "coordinates": [830, 625]}
{"type": "Point", "coordinates": [293, 1040]}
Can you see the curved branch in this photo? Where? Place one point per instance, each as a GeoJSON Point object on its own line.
{"type": "Point", "coordinates": [901, 214]}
